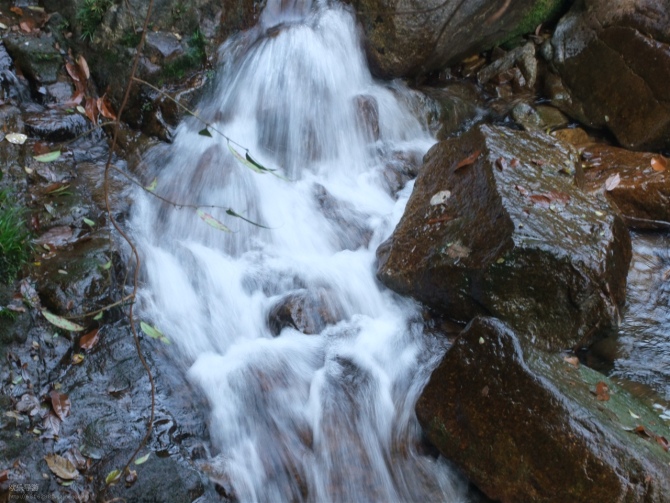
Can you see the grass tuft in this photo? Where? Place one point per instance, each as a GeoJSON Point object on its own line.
{"type": "Point", "coordinates": [15, 247]}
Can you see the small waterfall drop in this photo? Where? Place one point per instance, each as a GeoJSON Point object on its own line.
{"type": "Point", "coordinates": [321, 417]}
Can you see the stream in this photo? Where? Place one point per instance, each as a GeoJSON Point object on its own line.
{"type": "Point", "coordinates": [324, 416]}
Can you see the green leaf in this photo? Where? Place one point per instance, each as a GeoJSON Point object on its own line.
{"type": "Point", "coordinates": [237, 215]}
{"type": "Point", "coordinates": [61, 322]}
{"type": "Point", "coordinates": [213, 222]}
{"type": "Point", "coordinates": [112, 477]}
{"type": "Point", "coordinates": [89, 222]}
{"type": "Point", "coordinates": [107, 265]}
{"type": "Point", "coordinates": [256, 163]}
{"type": "Point", "coordinates": [152, 186]}
{"type": "Point", "coordinates": [255, 167]}
{"type": "Point", "coordinates": [143, 459]}
{"type": "Point", "coordinates": [99, 316]}
{"type": "Point", "coordinates": [153, 332]}
{"type": "Point", "coordinates": [48, 157]}
{"type": "Point", "coordinates": [205, 132]}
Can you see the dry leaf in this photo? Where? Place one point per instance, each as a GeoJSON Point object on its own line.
{"type": "Point", "coordinates": [662, 441]}
{"type": "Point", "coordinates": [602, 392]}
{"type": "Point", "coordinates": [468, 160]}
{"type": "Point", "coordinates": [501, 163]}
{"type": "Point", "coordinates": [541, 199]}
{"type": "Point", "coordinates": [659, 163]}
{"type": "Point", "coordinates": [105, 108]}
{"type": "Point", "coordinates": [572, 360]}
{"type": "Point", "coordinates": [83, 65]}
{"type": "Point", "coordinates": [612, 182]}
{"type": "Point", "coordinates": [89, 340]}
{"type": "Point", "coordinates": [17, 10]}
{"type": "Point", "coordinates": [521, 189]}
{"type": "Point", "coordinates": [51, 426]}
{"type": "Point", "coordinates": [61, 467]}
{"type": "Point", "coordinates": [60, 404]}
{"type": "Point", "coordinates": [73, 71]}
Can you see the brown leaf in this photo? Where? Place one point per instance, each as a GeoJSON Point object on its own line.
{"type": "Point", "coordinates": [73, 71]}
{"type": "Point", "coordinates": [28, 404]}
{"type": "Point", "coordinates": [515, 162]}
{"type": "Point", "coordinates": [27, 25]}
{"type": "Point", "coordinates": [572, 360]}
{"type": "Point", "coordinates": [91, 110]}
{"type": "Point", "coordinates": [437, 220]}
{"type": "Point", "coordinates": [659, 163]}
{"type": "Point", "coordinates": [561, 197]}
{"type": "Point", "coordinates": [501, 163]}
{"type": "Point", "coordinates": [4, 476]}
{"type": "Point", "coordinates": [521, 189]}
{"type": "Point", "coordinates": [131, 478]}
{"type": "Point", "coordinates": [60, 404]}
{"type": "Point", "coordinates": [89, 340]}
{"type": "Point", "coordinates": [17, 10]}
{"type": "Point", "coordinates": [663, 443]}
{"type": "Point", "coordinates": [538, 162]}
{"type": "Point", "coordinates": [541, 199]}
{"type": "Point", "coordinates": [642, 431]}
{"type": "Point", "coordinates": [602, 392]}
{"type": "Point", "coordinates": [468, 160]}
{"type": "Point", "coordinates": [105, 108]}
{"type": "Point", "coordinates": [51, 426]}
{"type": "Point", "coordinates": [612, 182]}
{"type": "Point", "coordinates": [83, 66]}
{"type": "Point", "coordinates": [61, 467]}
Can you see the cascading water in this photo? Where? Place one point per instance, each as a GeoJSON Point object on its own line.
{"type": "Point", "coordinates": [321, 417]}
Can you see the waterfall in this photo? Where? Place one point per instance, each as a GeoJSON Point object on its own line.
{"type": "Point", "coordinates": [323, 416]}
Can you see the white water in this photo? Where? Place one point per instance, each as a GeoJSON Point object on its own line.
{"type": "Point", "coordinates": [326, 417]}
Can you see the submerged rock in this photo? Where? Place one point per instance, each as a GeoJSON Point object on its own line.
{"type": "Point", "coordinates": [551, 430]}
{"type": "Point", "coordinates": [613, 61]}
{"type": "Point", "coordinates": [306, 311]}
{"type": "Point", "coordinates": [56, 125]}
{"type": "Point", "coordinates": [637, 183]}
{"type": "Point", "coordinates": [496, 226]}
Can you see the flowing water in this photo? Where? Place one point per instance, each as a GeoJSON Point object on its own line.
{"type": "Point", "coordinates": [321, 417]}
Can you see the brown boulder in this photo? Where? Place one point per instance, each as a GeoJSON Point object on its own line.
{"type": "Point", "coordinates": [637, 183]}
{"type": "Point", "coordinates": [418, 36]}
{"type": "Point", "coordinates": [494, 227]}
{"type": "Point", "coordinates": [536, 428]}
{"type": "Point", "coordinates": [613, 59]}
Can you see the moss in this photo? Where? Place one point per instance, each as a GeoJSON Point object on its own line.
{"type": "Point", "coordinates": [194, 57]}
{"type": "Point", "coordinates": [15, 245]}
{"type": "Point", "coordinates": [89, 16]}
{"type": "Point", "coordinates": [542, 11]}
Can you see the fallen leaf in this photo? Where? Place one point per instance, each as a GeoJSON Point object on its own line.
{"type": "Point", "coordinates": [61, 322]}
{"type": "Point", "coordinates": [105, 108]}
{"type": "Point", "coordinates": [514, 163]}
{"type": "Point", "coordinates": [50, 157]}
{"type": "Point", "coordinates": [521, 189]}
{"type": "Point", "coordinates": [91, 110]}
{"type": "Point", "coordinates": [83, 65]}
{"type": "Point", "coordinates": [633, 415]}
{"type": "Point", "coordinates": [153, 332]}
{"type": "Point", "coordinates": [602, 392]}
{"type": "Point", "coordinates": [501, 163]}
{"type": "Point", "coordinates": [112, 477]}
{"type": "Point", "coordinates": [445, 218]}
{"type": "Point", "coordinates": [662, 441]}
{"type": "Point", "coordinates": [88, 222]}
{"type": "Point", "coordinates": [27, 26]}
{"type": "Point", "coordinates": [440, 197]}
{"type": "Point", "coordinates": [60, 404]}
{"type": "Point", "coordinates": [642, 431]}
{"type": "Point", "coordinates": [73, 71]}
{"type": "Point", "coordinates": [659, 163]}
{"type": "Point", "coordinates": [572, 360]}
{"type": "Point", "coordinates": [16, 138]}
{"type": "Point", "coordinates": [28, 404]}
{"type": "Point", "coordinates": [4, 476]}
{"type": "Point", "coordinates": [89, 340]}
{"type": "Point", "coordinates": [143, 459]}
{"type": "Point", "coordinates": [612, 182]}
{"type": "Point", "coordinates": [131, 477]}
{"type": "Point", "coordinates": [77, 358]}
{"type": "Point", "coordinates": [17, 10]}
{"type": "Point", "coordinates": [541, 199]}
{"type": "Point", "coordinates": [468, 160]}
{"type": "Point", "coordinates": [61, 467]}
{"type": "Point", "coordinates": [51, 426]}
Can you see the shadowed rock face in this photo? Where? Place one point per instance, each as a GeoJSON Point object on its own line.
{"type": "Point", "coordinates": [495, 227]}
{"type": "Point", "coordinates": [418, 36]}
{"type": "Point", "coordinates": [527, 427]}
{"type": "Point", "coordinates": [613, 58]}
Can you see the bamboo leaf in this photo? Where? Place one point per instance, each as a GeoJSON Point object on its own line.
{"type": "Point", "coordinates": [237, 215]}
{"type": "Point", "coordinates": [152, 186]}
{"type": "Point", "coordinates": [213, 222]}
{"type": "Point", "coordinates": [48, 157]}
{"type": "Point", "coordinates": [152, 332]}
{"type": "Point", "coordinates": [61, 322]}
{"type": "Point", "coordinates": [112, 477]}
{"type": "Point", "coordinates": [255, 167]}
{"type": "Point", "coordinates": [205, 132]}
{"type": "Point", "coordinates": [89, 222]}
{"type": "Point", "coordinates": [143, 459]}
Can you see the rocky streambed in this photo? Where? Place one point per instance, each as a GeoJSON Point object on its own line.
{"type": "Point", "coordinates": [536, 238]}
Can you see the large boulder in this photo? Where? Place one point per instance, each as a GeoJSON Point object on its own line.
{"type": "Point", "coordinates": [495, 227]}
{"type": "Point", "coordinates": [638, 183]}
{"type": "Point", "coordinates": [613, 59]}
{"type": "Point", "coordinates": [418, 36]}
{"type": "Point", "coordinates": [526, 426]}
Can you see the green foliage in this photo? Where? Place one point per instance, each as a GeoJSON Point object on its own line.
{"type": "Point", "coordinates": [89, 16]}
{"type": "Point", "coordinates": [15, 246]}
{"type": "Point", "coordinates": [542, 11]}
{"type": "Point", "coordinates": [195, 56]}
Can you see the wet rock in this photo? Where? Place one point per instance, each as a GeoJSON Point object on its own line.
{"type": "Point", "coordinates": [367, 114]}
{"type": "Point", "coordinates": [36, 56]}
{"type": "Point", "coordinates": [56, 125]}
{"type": "Point", "coordinates": [306, 311]}
{"type": "Point", "coordinates": [417, 37]}
{"type": "Point", "coordinates": [547, 435]}
{"type": "Point", "coordinates": [630, 181]}
{"type": "Point", "coordinates": [494, 226]}
{"type": "Point", "coordinates": [350, 234]}
{"type": "Point", "coordinates": [460, 106]}
{"type": "Point", "coordinates": [577, 137]}
{"type": "Point", "coordinates": [523, 57]}
{"type": "Point", "coordinates": [613, 63]}
{"type": "Point", "coordinates": [527, 117]}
